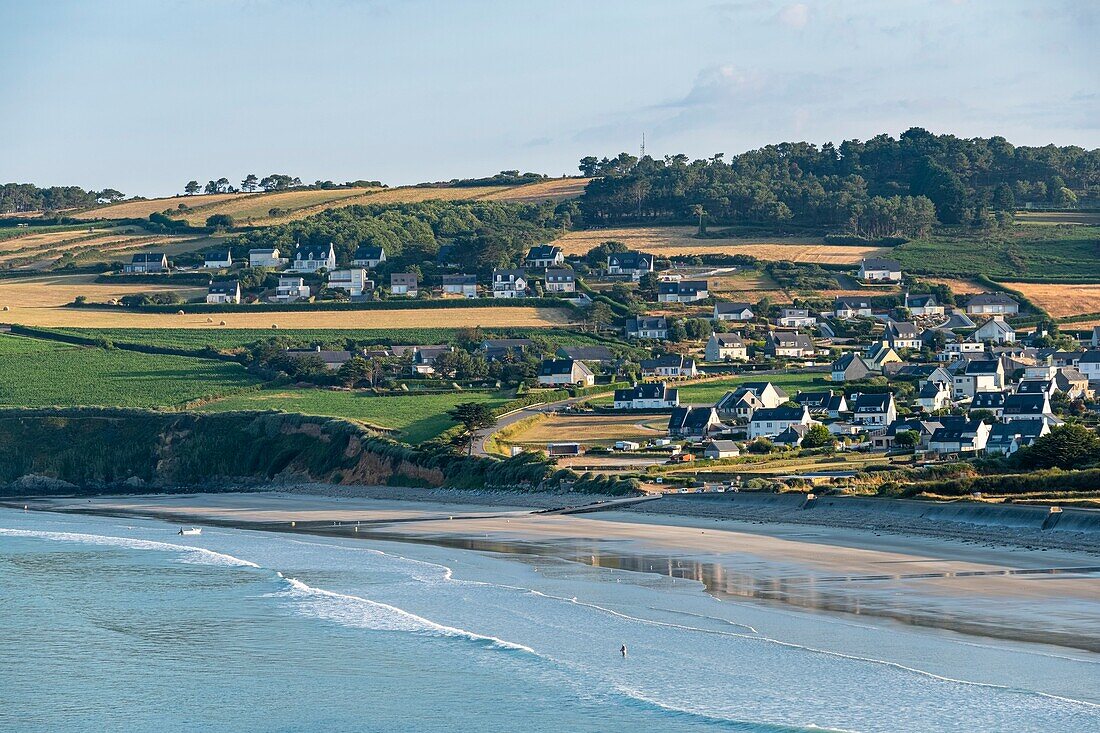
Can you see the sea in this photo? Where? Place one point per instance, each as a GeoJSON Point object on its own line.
{"type": "Point", "coordinates": [120, 624]}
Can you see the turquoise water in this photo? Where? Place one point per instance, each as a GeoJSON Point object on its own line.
{"type": "Point", "coordinates": [119, 624]}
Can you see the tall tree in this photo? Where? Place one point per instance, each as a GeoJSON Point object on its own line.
{"type": "Point", "coordinates": [473, 417]}
{"type": "Point", "coordinates": [250, 182]}
{"type": "Point", "coordinates": [192, 188]}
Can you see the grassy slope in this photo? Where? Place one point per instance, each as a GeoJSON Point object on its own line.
{"type": "Point", "coordinates": [416, 417]}
{"type": "Point", "coordinates": [710, 392]}
{"type": "Point", "coordinates": [42, 373]}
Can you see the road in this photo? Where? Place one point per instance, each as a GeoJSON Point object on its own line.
{"type": "Point", "coordinates": [525, 412]}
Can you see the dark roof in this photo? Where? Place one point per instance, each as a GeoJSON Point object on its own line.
{"type": "Point", "coordinates": [648, 323]}
{"type": "Point", "coordinates": [872, 402]}
{"type": "Point", "coordinates": [931, 389]}
{"type": "Point", "coordinates": [789, 339]}
{"type": "Point", "coordinates": [853, 303]}
{"type": "Point", "coordinates": [991, 299]}
{"type": "Point", "coordinates": [732, 307]}
{"type": "Point", "coordinates": [224, 287]}
{"type": "Point", "coordinates": [668, 360]}
{"type": "Point", "coordinates": [1090, 357]}
{"type": "Point", "coordinates": [1026, 404]}
{"type": "Point", "coordinates": [587, 353]}
{"type": "Point", "coordinates": [846, 360]}
{"type": "Point", "coordinates": [880, 263]}
{"type": "Point", "coordinates": [988, 401]}
{"type": "Point", "coordinates": [313, 252]}
{"type": "Point", "coordinates": [1003, 432]}
{"type": "Point", "coordinates": [551, 367]}
{"type": "Point", "coordinates": [460, 279]}
{"type": "Point", "coordinates": [645, 391]}
{"type": "Point", "coordinates": [682, 287]}
{"type": "Point", "coordinates": [630, 260]}
{"type": "Point", "coordinates": [327, 356]}
{"type": "Point", "coordinates": [774, 414]}
{"type": "Point", "coordinates": [982, 366]}
{"type": "Point", "coordinates": [520, 343]}
{"type": "Point", "coordinates": [691, 417]}
{"type": "Point", "coordinates": [560, 275]}
{"type": "Point", "coordinates": [923, 300]}
{"type": "Point", "coordinates": [504, 274]}
{"type": "Point", "coordinates": [367, 253]}
{"type": "Point", "coordinates": [1034, 386]}
{"type": "Point", "coordinates": [902, 329]}
{"type": "Point", "coordinates": [757, 387]}
{"type": "Point", "coordinates": [544, 252]}
{"type": "Point", "coordinates": [956, 432]}
{"type": "Point", "coordinates": [729, 339]}
{"type": "Point", "coordinates": [142, 258]}
{"type": "Point", "coordinates": [218, 255]}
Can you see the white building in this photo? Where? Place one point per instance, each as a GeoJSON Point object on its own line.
{"type": "Point", "coordinates": [509, 283]}
{"type": "Point", "coordinates": [353, 280]}
{"type": "Point", "coordinates": [992, 303]}
{"type": "Point", "coordinates": [996, 331]}
{"type": "Point", "coordinates": [225, 291]}
{"type": "Point", "coordinates": [796, 318]}
{"type": "Point", "coordinates": [768, 422]}
{"type": "Point", "coordinates": [877, 269]}
{"type": "Point", "coordinates": [682, 291]}
{"type": "Point", "coordinates": [266, 258]}
{"type": "Point", "coordinates": [560, 280]}
{"type": "Point", "coordinates": [314, 257]}
{"type": "Point", "coordinates": [218, 259]}
{"type": "Point", "coordinates": [726, 347]}
{"type": "Point", "coordinates": [368, 257]}
{"type": "Point", "coordinates": [464, 285]}
{"type": "Point", "coordinates": [565, 372]}
{"type": "Point", "coordinates": [733, 312]}
{"type": "Point", "coordinates": [291, 289]}
{"type": "Point", "coordinates": [647, 396]}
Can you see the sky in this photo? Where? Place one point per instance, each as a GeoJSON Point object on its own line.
{"type": "Point", "coordinates": [144, 95]}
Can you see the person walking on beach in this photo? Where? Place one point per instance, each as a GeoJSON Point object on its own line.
{"type": "Point", "coordinates": [622, 650]}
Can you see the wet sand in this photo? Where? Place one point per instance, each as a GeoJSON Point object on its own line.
{"type": "Point", "coordinates": [984, 589]}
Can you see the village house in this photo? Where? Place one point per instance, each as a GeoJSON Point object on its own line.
{"type": "Point", "coordinates": [926, 373]}
{"type": "Point", "coordinates": [738, 405]}
{"type": "Point", "coordinates": [291, 289]}
{"type": "Point", "coordinates": [1037, 386]}
{"type": "Point", "coordinates": [718, 449]}
{"type": "Point", "coordinates": [368, 257]}
{"type": "Point", "coordinates": [632, 264]}
{"type": "Point", "coordinates": [874, 410]}
{"type": "Point", "coordinates": [789, 345]}
{"type": "Point", "coordinates": [647, 396]}
{"type": "Point", "coordinates": [693, 422]}
{"type": "Point", "coordinates": [768, 422]}
{"type": "Point", "coordinates": [565, 372]}
{"type": "Point", "coordinates": [923, 305]}
{"type": "Point", "coordinates": [996, 331]}
{"type": "Point", "coordinates": [1029, 407]}
{"type": "Point", "coordinates": [992, 303]}
{"type": "Point", "coordinates": [1072, 382]}
{"type": "Point", "coordinates": [404, 283]}
{"type": "Point", "coordinates": [266, 257]}
{"type": "Point", "coordinates": [682, 291]}
{"type": "Point", "coordinates": [934, 396]}
{"type": "Point", "coordinates": [224, 291]}
{"type": "Point", "coordinates": [676, 366]}
{"type": "Point", "coordinates": [353, 281]}
{"type": "Point", "coordinates": [332, 360]}
{"type": "Point", "coordinates": [313, 257]}
{"type": "Point", "coordinates": [903, 335]}
{"type": "Point", "coordinates": [993, 402]}
{"type": "Point", "coordinates": [850, 367]}
{"type": "Point", "coordinates": [647, 327]}
{"type": "Point", "coordinates": [1006, 438]}
{"type": "Point", "coordinates": [544, 256]}
{"type": "Point", "coordinates": [145, 262]}
{"type": "Point", "coordinates": [961, 349]}
{"type": "Point", "coordinates": [464, 285]}
{"type": "Point", "coordinates": [561, 280]}
{"type": "Point", "coordinates": [880, 356]}
{"type": "Point", "coordinates": [791, 437]}
{"type": "Point", "coordinates": [733, 312]}
{"type": "Point", "coordinates": [591, 354]}
{"type": "Point", "coordinates": [768, 394]}
{"type": "Point", "coordinates": [969, 437]}
{"type": "Point", "coordinates": [980, 375]}
{"type": "Point", "coordinates": [923, 428]}
{"type": "Point", "coordinates": [823, 404]}
{"type": "Point", "coordinates": [424, 358]}
{"type": "Point", "coordinates": [509, 283]}
{"type": "Point", "coordinates": [796, 318]}
{"type": "Point", "coordinates": [495, 349]}
{"type": "Point", "coordinates": [726, 347]}
{"type": "Point", "coordinates": [217, 259]}
{"type": "Point", "coordinates": [846, 308]}
{"type": "Point", "coordinates": [878, 269]}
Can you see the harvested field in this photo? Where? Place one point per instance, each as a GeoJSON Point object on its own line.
{"type": "Point", "coordinates": [958, 286]}
{"type": "Point", "coordinates": [590, 429]}
{"type": "Point", "coordinates": [142, 209]}
{"type": "Point", "coordinates": [255, 207]}
{"type": "Point", "coordinates": [557, 189]}
{"type": "Point", "coordinates": [1061, 300]}
{"type": "Point", "coordinates": [671, 241]}
{"type": "Point", "coordinates": [44, 240]}
{"type": "Point", "coordinates": [28, 297]}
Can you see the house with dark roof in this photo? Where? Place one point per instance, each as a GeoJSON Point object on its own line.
{"type": "Point", "coordinates": [923, 428]}
{"type": "Point", "coordinates": [874, 410]}
{"type": "Point", "coordinates": [879, 269]}
{"type": "Point", "coordinates": [464, 285]}
{"type": "Point", "coordinates": [979, 375]}
{"type": "Point", "coordinates": [968, 437]}
{"type": "Point", "coordinates": [1089, 365]}
{"type": "Point", "coordinates": [994, 402]}
{"type": "Point", "coordinates": [788, 345]}
{"type": "Point", "coordinates": [796, 318]}
{"type": "Point", "coordinates": [1071, 381]}
{"type": "Point", "coordinates": [992, 303]}
{"type": "Point", "coordinates": [726, 347]}
{"type": "Point", "coordinates": [332, 359]}
{"type": "Point", "coordinates": [368, 257]}
{"type": "Point", "coordinates": [647, 327]}
{"type": "Point", "coordinates": [903, 335]}
{"type": "Point", "coordinates": [675, 366]}
{"type": "Point", "coordinates": [632, 264]}
{"type": "Point", "coordinates": [565, 372]}
{"type": "Point", "coordinates": [682, 291]}
{"type": "Point", "coordinates": [495, 349]}
{"type": "Point", "coordinates": [424, 358]}
{"type": "Point", "coordinates": [738, 405]}
{"type": "Point", "coordinates": [313, 257]}
{"type": "Point", "coordinates": [594, 354]}
{"type": "Point", "coordinates": [850, 367]}
{"type": "Point", "coordinates": [768, 422]}
{"type": "Point", "coordinates": [143, 262]}
{"type": "Point", "coordinates": [1029, 407]}
{"type": "Point", "coordinates": [561, 280]}
{"type": "Point", "coordinates": [769, 394]}
{"type": "Point", "coordinates": [848, 307]}
{"type": "Point", "coordinates": [1007, 438]}
{"type": "Point", "coordinates": [647, 396]}
{"type": "Point", "coordinates": [217, 259]}
{"type": "Point", "coordinates": [224, 291]}
{"type": "Point", "coordinates": [924, 304]}
{"type": "Point", "coordinates": [718, 449]}
{"type": "Point", "coordinates": [825, 403]}
{"type": "Point", "coordinates": [694, 422]}
{"type": "Point", "coordinates": [733, 312]}
{"type": "Point", "coordinates": [1037, 386]}
{"type": "Point", "coordinates": [544, 256]}
{"type": "Point", "coordinates": [995, 331]}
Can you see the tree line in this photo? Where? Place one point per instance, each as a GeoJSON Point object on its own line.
{"type": "Point", "coordinates": [881, 187]}
{"type": "Point", "coordinates": [19, 197]}
{"type": "Point", "coordinates": [273, 182]}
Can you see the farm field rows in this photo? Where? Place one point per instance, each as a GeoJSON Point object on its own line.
{"type": "Point", "coordinates": [255, 207]}
{"type": "Point", "coordinates": [142, 209]}
{"type": "Point", "coordinates": [44, 373]}
{"type": "Point", "coordinates": [416, 417]}
{"type": "Point", "coordinates": [1061, 300]}
{"type": "Point", "coordinates": [31, 300]}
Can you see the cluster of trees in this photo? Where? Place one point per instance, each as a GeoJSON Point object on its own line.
{"type": "Point", "coordinates": [251, 182]}
{"type": "Point", "coordinates": [1067, 446]}
{"type": "Point", "coordinates": [484, 234]}
{"type": "Point", "coordinates": [881, 187]}
{"type": "Point", "coordinates": [19, 197]}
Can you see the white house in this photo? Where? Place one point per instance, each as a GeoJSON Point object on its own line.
{"type": "Point", "coordinates": [789, 345]}
{"type": "Point", "coordinates": [1029, 407]}
{"type": "Point", "coordinates": [826, 402]}
{"type": "Point", "coordinates": [291, 289]}
{"type": "Point", "coordinates": [464, 285]}
{"type": "Point", "coordinates": [985, 375]}
{"type": "Point", "coordinates": [266, 257]}
{"type": "Point", "coordinates": [404, 283]}
{"type": "Point", "coordinates": [970, 437]}
{"type": "Point", "coordinates": [768, 422]}
{"type": "Point", "coordinates": [509, 283]}
{"type": "Point", "coordinates": [669, 365]}
{"type": "Point", "coordinates": [903, 335]}
{"type": "Point", "coordinates": [991, 303]}
{"type": "Point", "coordinates": [647, 396]}
{"type": "Point", "coordinates": [874, 410]}
{"type": "Point", "coordinates": [564, 372]}
{"type": "Point", "coordinates": [633, 264]}
{"type": "Point", "coordinates": [682, 291]}
{"type": "Point", "coordinates": [959, 349]}
{"type": "Point", "coordinates": [933, 396]}
{"type": "Point", "coordinates": [923, 305]}
{"type": "Point", "coordinates": [647, 327]}
{"type": "Point", "coordinates": [144, 262]}
{"type": "Point", "coordinates": [217, 259]}
{"type": "Point", "coordinates": [726, 347]}
{"type": "Point", "coordinates": [996, 331]}
{"type": "Point", "coordinates": [1007, 438]}
{"type": "Point", "coordinates": [846, 308]}
{"type": "Point", "coordinates": [313, 257]}
{"type": "Point", "coordinates": [225, 291]}
{"type": "Point", "coordinates": [733, 312]}
{"type": "Point", "coordinates": [545, 256]}
{"type": "Point", "coordinates": [561, 280]}
{"type": "Point", "coordinates": [877, 269]}
{"type": "Point", "coordinates": [796, 318]}
{"type": "Point", "coordinates": [353, 280]}
{"type": "Point", "coordinates": [368, 257]}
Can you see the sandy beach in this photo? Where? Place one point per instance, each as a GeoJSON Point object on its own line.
{"type": "Point", "coordinates": [976, 587]}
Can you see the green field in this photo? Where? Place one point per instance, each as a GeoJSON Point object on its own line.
{"type": "Point", "coordinates": [236, 338]}
{"type": "Point", "coordinates": [1028, 250]}
{"type": "Point", "coordinates": [37, 373]}
{"type": "Point", "coordinates": [417, 418]}
{"type": "Point", "coordinates": [711, 392]}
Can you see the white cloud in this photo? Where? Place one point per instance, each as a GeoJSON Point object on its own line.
{"type": "Point", "coordinates": [794, 16]}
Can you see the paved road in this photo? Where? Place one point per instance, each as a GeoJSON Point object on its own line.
{"type": "Point", "coordinates": [512, 418]}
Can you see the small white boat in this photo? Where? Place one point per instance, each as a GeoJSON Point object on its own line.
{"type": "Point", "coordinates": [193, 530]}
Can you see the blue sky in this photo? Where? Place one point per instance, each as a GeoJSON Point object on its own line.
{"type": "Point", "coordinates": [143, 95]}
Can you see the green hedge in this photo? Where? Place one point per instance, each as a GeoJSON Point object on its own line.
{"type": "Point", "coordinates": [199, 278]}
{"type": "Point", "coordinates": [342, 305]}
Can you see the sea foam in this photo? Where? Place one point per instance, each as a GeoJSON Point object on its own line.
{"type": "Point", "coordinates": [190, 555]}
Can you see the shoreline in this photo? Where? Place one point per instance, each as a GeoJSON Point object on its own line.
{"type": "Point", "coordinates": [974, 586]}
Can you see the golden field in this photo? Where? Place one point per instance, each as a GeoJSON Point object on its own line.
{"type": "Point", "coordinates": [142, 209]}
{"type": "Point", "coordinates": [669, 241]}
{"type": "Point", "coordinates": [26, 297]}
{"type": "Point", "coordinates": [958, 286]}
{"type": "Point", "coordinates": [556, 189]}
{"type": "Point", "coordinates": [1061, 300]}
{"type": "Point", "coordinates": [255, 207]}
{"type": "Point", "coordinates": [589, 429]}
